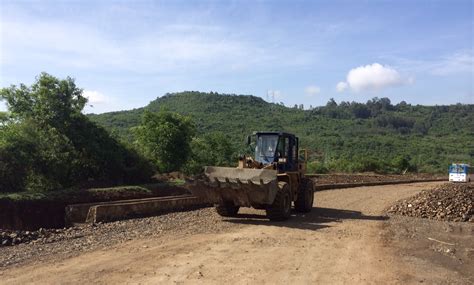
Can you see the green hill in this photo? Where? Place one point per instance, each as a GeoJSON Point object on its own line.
{"type": "Point", "coordinates": [348, 136]}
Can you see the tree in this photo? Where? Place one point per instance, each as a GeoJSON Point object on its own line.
{"type": "Point", "coordinates": [402, 106]}
{"type": "Point", "coordinates": [421, 127]}
{"type": "Point", "coordinates": [165, 138]}
{"type": "Point", "coordinates": [48, 102]}
{"type": "Point", "coordinates": [213, 149]}
{"type": "Point", "coordinates": [3, 118]}
{"type": "Point", "coordinates": [360, 111]}
{"type": "Point", "coordinates": [46, 143]}
{"type": "Point", "coordinates": [16, 150]}
{"type": "Point", "coordinates": [386, 104]}
{"type": "Point", "coordinates": [401, 163]}
{"type": "Point", "coordinates": [331, 103]}
{"type": "Point", "coordinates": [379, 105]}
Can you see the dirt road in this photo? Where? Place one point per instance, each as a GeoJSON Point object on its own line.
{"type": "Point", "coordinates": [341, 241]}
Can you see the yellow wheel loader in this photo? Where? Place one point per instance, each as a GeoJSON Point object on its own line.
{"type": "Point", "coordinates": [272, 180]}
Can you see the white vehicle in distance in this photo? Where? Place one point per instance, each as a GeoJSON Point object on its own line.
{"type": "Point", "coordinates": [460, 172]}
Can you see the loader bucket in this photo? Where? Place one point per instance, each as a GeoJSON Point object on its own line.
{"type": "Point", "coordinates": [242, 186]}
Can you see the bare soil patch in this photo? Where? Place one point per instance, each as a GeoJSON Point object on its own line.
{"type": "Point", "coordinates": [431, 248]}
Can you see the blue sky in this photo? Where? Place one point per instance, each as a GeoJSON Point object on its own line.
{"type": "Point", "coordinates": [125, 54]}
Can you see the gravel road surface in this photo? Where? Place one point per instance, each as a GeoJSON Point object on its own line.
{"type": "Point", "coordinates": [343, 240]}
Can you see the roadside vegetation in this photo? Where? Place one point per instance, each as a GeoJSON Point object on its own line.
{"type": "Point", "coordinates": [50, 149]}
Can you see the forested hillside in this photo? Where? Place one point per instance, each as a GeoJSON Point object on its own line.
{"type": "Point", "coordinates": [375, 136]}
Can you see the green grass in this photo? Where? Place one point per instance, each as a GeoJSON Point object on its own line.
{"type": "Point", "coordinates": [177, 182]}
{"type": "Point", "coordinates": [23, 196]}
{"type": "Point", "coordinates": [119, 189]}
{"type": "Point", "coordinates": [83, 195]}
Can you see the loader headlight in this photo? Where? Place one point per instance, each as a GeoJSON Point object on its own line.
{"type": "Point", "coordinates": [282, 160]}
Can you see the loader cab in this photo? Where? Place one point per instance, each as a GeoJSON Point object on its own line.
{"type": "Point", "coordinates": [278, 148]}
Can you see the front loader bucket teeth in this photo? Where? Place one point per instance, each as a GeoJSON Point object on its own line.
{"type": "Point", "coordinates": [242, 186]}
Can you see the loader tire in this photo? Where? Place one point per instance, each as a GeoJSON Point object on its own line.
{"type": "Point", "coordinates": [281, 207]}
{"type": "Point", "coordinates": [227, 209]}
{"type": "Point", "coordinates": [304, 200]}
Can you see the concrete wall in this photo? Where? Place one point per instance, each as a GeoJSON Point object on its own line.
{"type": "Point", "coordinates": [119, 210]}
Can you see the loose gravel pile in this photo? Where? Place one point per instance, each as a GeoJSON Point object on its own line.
{"type": "Point", "coordinates": [38, 245]}
{"type": "Point", "coordinates": [10, 237]}
{"type": "Point", "coordinates": [362, 178]}
{"type": "Point", "coordinates": [448, 202]}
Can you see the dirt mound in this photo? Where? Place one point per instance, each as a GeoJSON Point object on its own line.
{"type": "Point", "coordinates": [448, 202]}
{"type": "Point", "coordinates": [337, 178]}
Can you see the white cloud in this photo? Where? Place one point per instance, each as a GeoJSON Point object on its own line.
{"type": "Point", "coordinates": [341, 86]}
{"type": "Point", "coordinates": [312, 90]}
{"type": "Point", "coordinates": [95, 97]}
{"type": "Point", "coordinates": [168, 48]}
{"type": "Point", "coordinates": [371, 77]}
{"type": "Point", "coordinates": [461, 61]}
{"type": "Point", "coordinates": [455, 63]}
